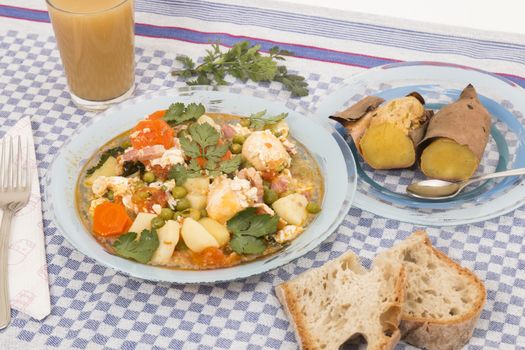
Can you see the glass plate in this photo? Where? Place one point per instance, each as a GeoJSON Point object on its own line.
{"type": "Point", "coordinates": [383, 192]}
{"type": "Point", "coordinates": [329, 149]}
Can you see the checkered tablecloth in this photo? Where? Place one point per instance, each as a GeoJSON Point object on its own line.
{"type": "Point", "coordinates": [94, 307]}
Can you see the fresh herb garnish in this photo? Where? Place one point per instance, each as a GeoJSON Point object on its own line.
{"type": "Point", "coordinates": [179, 174]}
{"type": "Point", "coordinates": [258, 121]}
{"type": "Point", "coordinates": [112, 152]}
{"type": "Point", "coordinates": [130, 167]}
{"type": "Point", "coordinates": [243, 61]}
{"type": "Point", "coordinates": [249, 229]}
{"type": "Point", "coordinates": [230, 165]}
{"type": "Point", "coordinates": [141, 250]}
{"type": "Point", "coordinates": [178, 113]}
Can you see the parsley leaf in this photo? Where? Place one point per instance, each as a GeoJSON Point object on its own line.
{"type": "Point", "coordinates": [179, 174]}
{"type": "Point", "coordinates": [215, 153]}
{"type": "Point", "coordinates": [258, 121]}
{"type": "Point", "coordinates": [204, 134]}
{"type": "Point", "coordinates": [112, 152]}
{"type": "Point", "coordinates": [247, 245]}
{"type": "Point", "coordinates": [141, 250]}
{"type": "Point", "coordinates": [190, 148]}
{"type": "Point", "coordinates": [243, 61]}
{"type": "Point", "coordinates": [229, 166]}
{"type": "Point", "coordinates": [178, 113]}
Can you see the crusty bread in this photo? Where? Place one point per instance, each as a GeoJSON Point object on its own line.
{"type": "Point", "coordinates": [341, 300]}
{"type": "Point", "coordinates": [443, 300]}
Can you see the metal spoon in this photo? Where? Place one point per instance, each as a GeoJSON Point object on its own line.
{"type": "Point", "coordinates": [439, 189]}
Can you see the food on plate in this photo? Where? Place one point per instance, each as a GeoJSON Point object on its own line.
{"type": "Point", "coordinates": [331, 304]}
{"type": "Point", "coordinates": [456, 139]}
{"type": "Point", "coordinates": [194, 190]}
{"type": "Point", "coordinates": [443, 300]}
{"type": "Point", "coordinates": [413, 291]}
{"type": "Point", "coordinates": [386, 133]}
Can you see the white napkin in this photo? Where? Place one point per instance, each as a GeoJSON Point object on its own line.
{"type": "Point", "coordinates": [28, 281]}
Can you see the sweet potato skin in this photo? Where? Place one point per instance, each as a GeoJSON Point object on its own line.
{"type": "Point", "coordinates": [465, 121]}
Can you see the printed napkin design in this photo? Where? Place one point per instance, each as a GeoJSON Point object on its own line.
{"type": "Point", "coordinates": [28, 279]}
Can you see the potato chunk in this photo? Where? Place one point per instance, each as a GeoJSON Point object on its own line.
{"type": "Point", "coordinates": [445, 159]}
{"type": "Point", "coordinates": [109, 168]}
{"type": "Point", "coordinates": [168, 239]}
{"type": "Point", "coordinates": [386, 146]}
{"type": "Point", "coordinates": [292, 208]}
{"type": "Point", "coordinates": [196, 237]}
{"type": "Point", "coordinates": [217, 230]}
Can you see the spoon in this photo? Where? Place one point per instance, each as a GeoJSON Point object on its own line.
{"type": "Point", "coordinates": [439, 189]}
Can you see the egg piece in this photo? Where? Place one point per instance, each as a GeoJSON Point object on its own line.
{"type": "Point", "coordinates": [265, 152]}
{"type": "Point", "coordinates": [227, 197]}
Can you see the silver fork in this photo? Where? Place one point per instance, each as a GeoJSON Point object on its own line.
{"type": "Point", "coordinates": [15, 189]}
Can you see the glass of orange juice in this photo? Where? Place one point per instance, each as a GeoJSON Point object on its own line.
{"type": "Point", "coordinates": [96, 43]}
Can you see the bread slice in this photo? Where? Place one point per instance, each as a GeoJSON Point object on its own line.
{"type": "Point", "coordinates": [342, 300]}
{"type": "Point", "coordinates": [443, 300]}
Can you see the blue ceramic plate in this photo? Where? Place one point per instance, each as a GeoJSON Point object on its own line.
{"type": "Point", "coordinates": [383, 192]}
{"type": "Point", "coordinates": [324, 142]}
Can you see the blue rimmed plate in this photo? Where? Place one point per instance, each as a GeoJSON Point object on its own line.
{"type": "Point", "coordinates": [383, 192]}
{"type": "Point", "coordinates": [329, 149]}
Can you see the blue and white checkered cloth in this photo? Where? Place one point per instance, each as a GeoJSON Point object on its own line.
{"type": "Point", "coordinates": [94, 307]}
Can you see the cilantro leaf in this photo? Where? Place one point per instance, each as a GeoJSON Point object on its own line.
{"type": "Point", "coordinates": [247, 245]}
{"type": "Point", "coordinates": [203, 134]}
{"type": "Point", "coordinates": [258, 121]}
{"type": "Point", "coordinates": [194, 169]}
{"type": "Point", "coordinates": [141, 250]}
{"type": "Point", "coordinates": [178, 113]}
{"type": "Point", "coordinates": [230, 165]}
{"type": "Point", "coordinates": [215, 153]}
{"type": "Point", "coordinates": [243, 61]}
{"type": "Point", "coordinates": [190, 148]}
{"type": "Point", "coordinates": [179, 174]}
{"type": "Point", "coordinates": [112, 152]}
{"type": "Point", "coordinates": [248, 223]}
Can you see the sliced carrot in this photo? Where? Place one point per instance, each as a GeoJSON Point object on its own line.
{"type": "Point", "coordinates": [158, 114]}
{"type": "Point", "coordinates": [110, 219]}
{"type": "Point", "coordinates": [150, 132]}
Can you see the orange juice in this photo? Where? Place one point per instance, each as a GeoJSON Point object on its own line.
{"type": "Point", "coordinates": [96, 43]}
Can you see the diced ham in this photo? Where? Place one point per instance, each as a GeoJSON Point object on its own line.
{"type": "Point", "coordinates": [280, 183]}
{"type": "Point", "coordinates": [228, 131]}
{"type": "Point", "coordinates": [146, 153]}
{"type": "Point", "coordinates": [255, 179]}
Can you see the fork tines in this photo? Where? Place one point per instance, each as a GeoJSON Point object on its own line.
{"type": "Point", "coordinates": [14, 164]}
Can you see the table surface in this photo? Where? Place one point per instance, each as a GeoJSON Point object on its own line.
{"type": "Point", "coordinates": [94, 307]}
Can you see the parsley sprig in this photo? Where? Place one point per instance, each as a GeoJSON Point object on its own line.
{"type": "Point", "coordinates": [141, 250]}
{"type": "Point", "coordinates": [249, 230]}
{"type": "Point", "coordinates": [179, 113]}
{"type": "Point", "coordinates": [258, 121]}
{"type": "Point", "coordinates": [245, 62]}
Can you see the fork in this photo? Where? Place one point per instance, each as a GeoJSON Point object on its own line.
{"type": "Point", "coordinates": [15, 189]}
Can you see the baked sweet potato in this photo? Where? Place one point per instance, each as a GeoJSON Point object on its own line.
{"type": "Point", "coordinates": [386, 134]}
{"type": "Point", "coordinates": [456, 138]}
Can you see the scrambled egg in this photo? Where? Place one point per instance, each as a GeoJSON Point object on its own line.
{"type": "Point", "coordinates": [169, 158]}
{"type": "Point", "coordinates": [265, 151]}
{"type": "Point", "coordinates": [227, 197]}
{"type": "Point", "coordinates": [118, 184]}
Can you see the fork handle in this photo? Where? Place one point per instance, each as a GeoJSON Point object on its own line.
{"type": "Point", "coordinates": [5, 308]}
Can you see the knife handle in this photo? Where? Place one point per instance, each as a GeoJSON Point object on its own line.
{"type": "Point", "coordinates": [5, 308]}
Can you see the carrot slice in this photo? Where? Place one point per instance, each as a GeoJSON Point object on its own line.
{"type": "Point", "coordinates": [110, 219]}
{"type": "Point", "coordinates": [157, 114]}
{"type": "Point", "coordinates": [150, 132]}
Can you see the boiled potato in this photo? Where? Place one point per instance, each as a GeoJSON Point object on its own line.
{"type": "Point", "coordinates": [197, 201]}
{"type": "Point", "coordinates": [217, 230]}
{"type": "Point", "coordinates": [109, 168]}
{"type": "Point", "coordinates": [207, 119]}
{"type": "Point", "coordinates": [292, 208]}
{"type": "Point", "coordinates": [168, 239]}
{"type": "Point", "coordinates": [142, 222]}
{"type": "Point", "coordinates": [199, 185]}
{"type": "Point", "coordinates": [196, 237]}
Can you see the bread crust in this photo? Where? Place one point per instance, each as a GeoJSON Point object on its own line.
{"type": "Point", "coordinates": [435, 334]}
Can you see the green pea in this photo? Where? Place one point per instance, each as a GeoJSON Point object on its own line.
{"type": "Point", "coordinates": [204, 213]}
{"type": "Point", "coordinates": [239, 139]}
{"type": "Point", "coordinates": [110, 195]}
{"type": "Point", "coordinates": [236, 148]}
{"type": "Point", "coordinates": [179, 192]}
{"type": "Point", "coordinates": [157, 222]}
{"type": "Point", "coordinates": [270, 196]}
{"type": "Point", "coordinates": [166, 214]}
{"type": "Point", "coordinates": [148, 177]}
{"type": "Point", "coordinates": [126, 144]}
{"type": "Point", "coordinates": [183, 204]}
{"type": "Point", "coordinates": [313, 208]}
{"type": "Point", "coordinates": [245, 122]}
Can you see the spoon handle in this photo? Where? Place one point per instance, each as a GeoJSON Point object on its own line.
{"type": "Point", "coordinates": [513, 172]}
